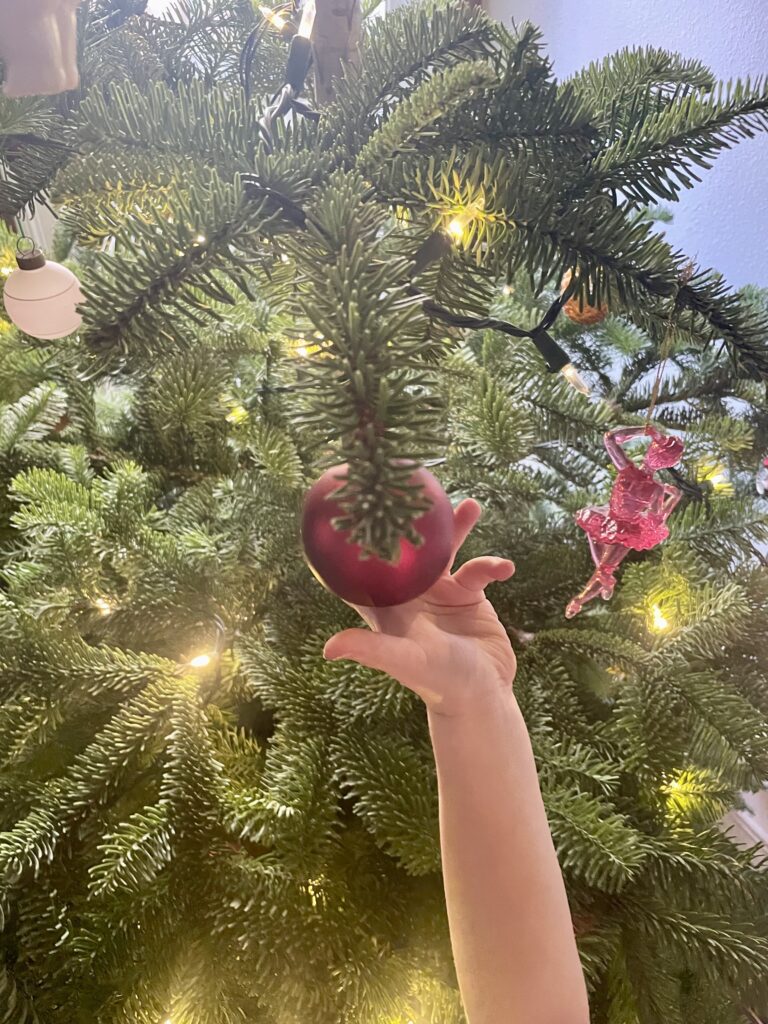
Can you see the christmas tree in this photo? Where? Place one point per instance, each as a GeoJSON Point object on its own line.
{"type": "Point", "coordinates": [202, 820]}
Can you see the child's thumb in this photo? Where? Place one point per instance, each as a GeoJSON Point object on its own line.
{"type": "Point", "coordinates": [394, 655]}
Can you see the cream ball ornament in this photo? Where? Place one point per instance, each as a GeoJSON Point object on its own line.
{"type": "Point", "coordinates": [41, 297]}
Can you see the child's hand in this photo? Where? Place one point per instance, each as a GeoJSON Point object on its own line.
{"type": "Point", "coordinates": [447, 645]}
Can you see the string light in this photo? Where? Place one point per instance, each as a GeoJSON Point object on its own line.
{"type": "Point", "coordinates": [237, 415]}
{"type": "Point", "coordinates": [275, 20]}
{"type": "Point", "coordinates": [457, 226]}
{"type": "Point", "coordinates": [302, 351]}
{"type": "Point", "coordinates": [200, 239]}
{"type": "Point", "coordinates": [574, 378]}
{"type": "Point", "coordinates": [715, 474]}
{"type": "Point", "coordinates": [681, 795]}
{"type": "Point", "coordinates": [659, 623]}
{"type": "Point", "coordinates": [307, 19]}
{"type": "Point", "coordinates": [200, 661]}
{"type": "Point", "coordinates": [507, 289]}
{"type": "Point", "coordinates": [466, 208]}
{"type": "Point", "coordinates": [103, 606]}
{"type": "Point", "coordinates": [6, 271]}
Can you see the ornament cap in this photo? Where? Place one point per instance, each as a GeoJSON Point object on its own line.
{"type": "Point", "coordinates": [30, 259]}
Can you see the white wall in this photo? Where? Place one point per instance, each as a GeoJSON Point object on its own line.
{"type": "Point", "coordinates": [723, 222]}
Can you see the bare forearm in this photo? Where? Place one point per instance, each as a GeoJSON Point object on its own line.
{"type": "Point", "coordinates": [511, 929]}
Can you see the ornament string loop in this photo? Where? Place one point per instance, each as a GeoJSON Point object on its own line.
{"type": "Point", "coordinates": [21, 248]}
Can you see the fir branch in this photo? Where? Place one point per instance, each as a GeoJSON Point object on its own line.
{"type": "Point", "coordinates": [655, 157]}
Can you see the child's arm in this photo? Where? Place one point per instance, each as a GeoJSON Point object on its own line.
{"type": "Point", "coordinates": [511, 929]}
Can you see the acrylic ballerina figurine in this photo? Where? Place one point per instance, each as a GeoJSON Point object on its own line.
{"type": "Point", "coordinates": [635, 519]}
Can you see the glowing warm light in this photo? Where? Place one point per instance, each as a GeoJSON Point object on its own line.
{"type": "Point", "coordinates": [715, 474]}
{"type": "Point", "coordinates": [200, 660]}
{"type": "Point", "coordinates": [574, 378]}
{"type": "Point", "coordinates": [104, 607]}
{"type": "Point", "coordinates": [237, 415]}
{"type": "Point", "coordinates": [658, 622]}
{"type": "Point", "coordinates": [507, 289]}
{"type": "Point", "coordinates": [456, 228]}
{"type": "Point", "coordinates": [6, 271]}
{"type": "Point", "coordinates": [285, 258]}
{"type": "Point", "coordinates": [200, 239]}
{"type": "Point", "coordinates": [673, 785]}
{"type": "Point", "coordinates": [466, 209]}
{"type": "Point", "coordinates": [307, 19]}
{"type": "Point", "coordinates": [274, 19]}
{"type": "Point", "coordinates": [302, 351]}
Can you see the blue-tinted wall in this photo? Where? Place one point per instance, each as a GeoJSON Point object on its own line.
{"type": "Point", "coordinates": [724, 220]}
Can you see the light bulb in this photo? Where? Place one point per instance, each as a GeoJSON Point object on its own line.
{"type": "Point", "coordinates": [658, 622]}
{"type": "Point", "coordinates": [507, 289]}
{"type": "Point", "coordinates": [302, 351]}
{"type": "Point", "coordinates": [715, 474]}
{"type": "Point", "coordinates": [307, 19]}
{"type": "Point", "coordinates": [200, 239]}
{"type": "Point", "coordinates": [200, 660]}
{"type": "Point", "coordinates": [274, 19]}
{"type": "Point", "coordinates": [237, 415]}
{"type": "Point", "coordinates": [673, 785]}
{"type": "Point", "coordinates": [456, 228]}
{"type": "Point", "coordinates": [574, 378]}
{"type": "Point", "coordinates": [284, 257]}
{"type": "Point", "coordinates": [6, 271]}
{"type": "Point", "coordinates": [103, 606]}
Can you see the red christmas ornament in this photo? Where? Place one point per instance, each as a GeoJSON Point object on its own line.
{"type": "Point", "coordinates": [373, 582]}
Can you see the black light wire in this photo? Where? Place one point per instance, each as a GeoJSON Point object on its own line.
{"type": "Point", "coordinates": [287, 99]}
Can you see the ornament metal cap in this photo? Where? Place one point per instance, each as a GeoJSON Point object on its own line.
{"type": "Point", "coordinates": [29, 259]}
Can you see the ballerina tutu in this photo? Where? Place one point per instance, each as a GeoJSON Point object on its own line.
{"type": "Point", "coordinates": [639, 533]}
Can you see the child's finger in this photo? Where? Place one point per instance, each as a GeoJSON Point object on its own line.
{"type": "Point", "coordinates": [395, 655]}
{"type": "Point", "coordinates": [465, 515]}
{"type": "Point", "coordinates": [479, 572]}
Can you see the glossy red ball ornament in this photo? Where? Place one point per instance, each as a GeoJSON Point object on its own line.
{"type": "Point", "coordinates": [373, 582]}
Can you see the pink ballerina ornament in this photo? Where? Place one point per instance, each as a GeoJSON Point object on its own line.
{"type": "Point", "coordinates": [761, 480]}
{"type": "Point", "coordinates": [635, 519]}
